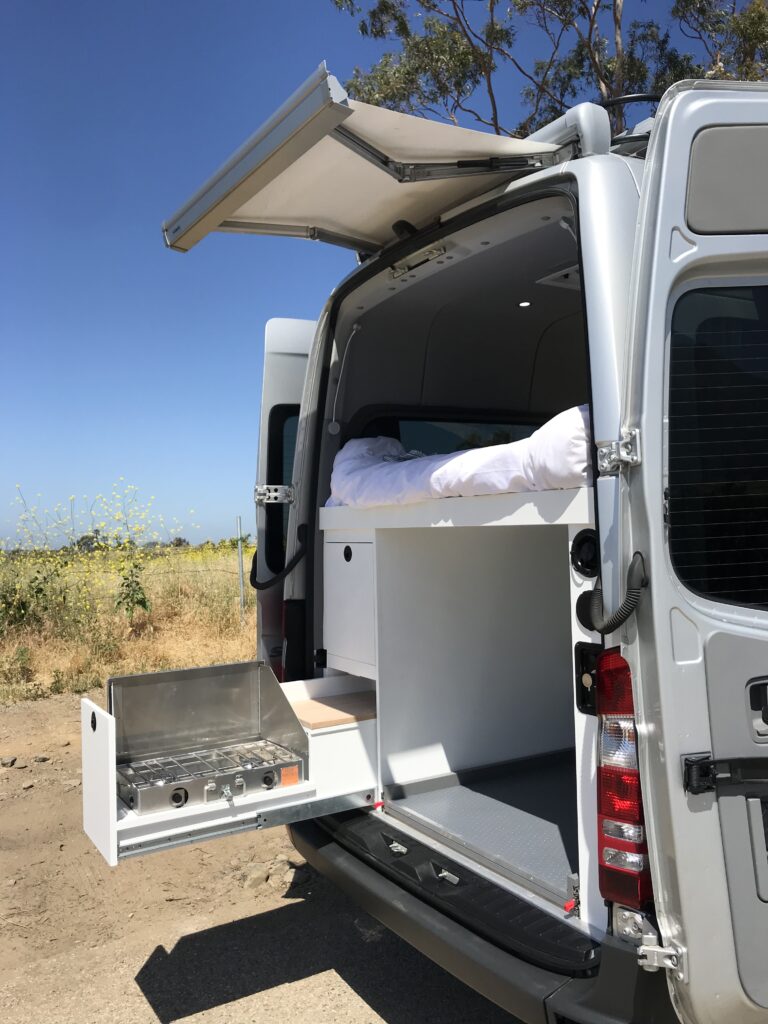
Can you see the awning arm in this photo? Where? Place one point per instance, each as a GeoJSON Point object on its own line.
{"type": "Point", "coordinates": [407, 172]}
{"type": "Point", "coordinates": [249, 227]}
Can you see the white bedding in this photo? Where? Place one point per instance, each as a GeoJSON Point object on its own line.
{"type": "Point", "coordinates": [378, 471]}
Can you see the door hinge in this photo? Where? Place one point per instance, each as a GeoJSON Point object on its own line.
{"type": "Point", "coordinates": [653, 957]}
{"type": "Point", "coordinates": [612, 455]}
{"type": "Point", "coordinates": [274, 494]}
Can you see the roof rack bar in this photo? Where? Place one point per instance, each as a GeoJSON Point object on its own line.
{"type": "Point", "coordinates": [587, 123]}
{"type": "Point", "coordinates": [635, 97]}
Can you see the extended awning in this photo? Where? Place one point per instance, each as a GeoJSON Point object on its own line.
{"type": "Point", "coordinates": [330, 168]}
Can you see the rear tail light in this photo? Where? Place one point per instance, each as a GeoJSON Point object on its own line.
{"type": "Point", "coordinates": [618, 744]}
{"type": "Point", "coordinates": [623, 854]}
{"type": "Point", "coordinates": [621, 830]}
{"type": "Point", "coordinates": [614, 694]}
{"type": "Point", "coordinates": [619, 794]}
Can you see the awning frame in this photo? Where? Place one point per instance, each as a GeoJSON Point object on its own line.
{"type": "Point", "coordinates": [317, 111]}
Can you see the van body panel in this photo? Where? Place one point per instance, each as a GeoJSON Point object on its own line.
{"type": "Point", "coordinates": [607, 213]}
{"type": "Point", "coordinates": [706, 906]}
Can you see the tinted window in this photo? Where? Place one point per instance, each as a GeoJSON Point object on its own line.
{"type": "Point", "coordinates": [283, 426]}
{"type": "Point", "coordinates": [434, 437]}
{"type": "Point", "coordinates": [718, 444]}
{"type": "Point", "coordinates": [439, 437]}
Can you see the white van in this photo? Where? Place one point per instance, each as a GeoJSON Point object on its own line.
{"type": "Point", "coordinates": [521, 718]}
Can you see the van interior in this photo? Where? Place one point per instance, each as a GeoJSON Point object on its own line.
{"type": "Point", "coordinates": [475, 341]}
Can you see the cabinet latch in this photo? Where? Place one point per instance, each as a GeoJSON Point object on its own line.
{"type": "Point", "coordinates": [274, 494]}
{"type": "Point", "coordinates": [612, 455]}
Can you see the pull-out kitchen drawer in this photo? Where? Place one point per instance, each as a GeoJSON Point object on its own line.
{"type": "Point", "coordinates": [349, 604]}
{"type": "Point", "coordinates": [187, 755]}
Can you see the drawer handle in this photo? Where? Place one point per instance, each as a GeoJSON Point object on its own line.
{"type": "Point", "coordinates": [347, 553]}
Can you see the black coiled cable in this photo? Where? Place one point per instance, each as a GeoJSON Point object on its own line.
{"type": "Point", "coordinates": [637, 580]}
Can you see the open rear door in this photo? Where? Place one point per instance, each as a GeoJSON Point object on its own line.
{"type": "Point", "coordinates": [697, 506]}
{"type": "Point", "coordinates": [286, 351]}
{"type": "Point", "coordinates": [334, 169]}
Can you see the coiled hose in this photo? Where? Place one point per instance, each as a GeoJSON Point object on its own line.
{"type": "Point", "coordinates": [636, 583]}
{"type": "Point", "coordinates": [301, 536]}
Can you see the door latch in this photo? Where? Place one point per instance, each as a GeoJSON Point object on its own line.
{"type": "Point", "coordinates": [274, 494]}
{"type": "Point", "coordinates": [699, 774]}
{"type": "Point", "coordinates": [612, 455]}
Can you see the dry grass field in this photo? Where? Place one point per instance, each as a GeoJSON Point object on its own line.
{"type": "Point", "coordinates": [70, 618]}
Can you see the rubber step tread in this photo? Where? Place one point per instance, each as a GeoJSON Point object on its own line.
{"type": "Point", "coordinates": [502, 917]}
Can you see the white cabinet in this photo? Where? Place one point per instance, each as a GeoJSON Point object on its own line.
{"type": "Point", "coordinates": [355, 599]}
{"type": "Point", "coordinates": [349, 633]}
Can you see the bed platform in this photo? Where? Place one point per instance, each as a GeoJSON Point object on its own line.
{"type": "Point", "coordinates": [531, 508]}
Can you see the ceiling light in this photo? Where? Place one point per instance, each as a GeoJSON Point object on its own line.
{"type": "Point", "coordinates": [523, 305]}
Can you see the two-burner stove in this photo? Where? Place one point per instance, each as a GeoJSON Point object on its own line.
{"type": "Point", "coordinates": [193, 736]}
{"type": "Point", "coordinates": [196, 777]}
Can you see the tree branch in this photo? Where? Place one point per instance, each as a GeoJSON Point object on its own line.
{"type": "Point", "coordinates": [482, 52]}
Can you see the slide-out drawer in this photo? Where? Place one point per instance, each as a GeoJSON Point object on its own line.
{"type": "Point", "coordinates": [183, 756]}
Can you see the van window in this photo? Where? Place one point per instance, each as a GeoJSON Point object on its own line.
{"type": "Point", "coordinates": [440, 437]}
{"type": "Point", "coordinates": [718, 444]}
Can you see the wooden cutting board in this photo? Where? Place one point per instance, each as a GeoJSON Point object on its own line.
{"type": "Point", "coordinates": [338, 709]}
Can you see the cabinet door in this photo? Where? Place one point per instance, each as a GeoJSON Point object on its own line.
{"type": "Point", "coordinates": [349, 630]}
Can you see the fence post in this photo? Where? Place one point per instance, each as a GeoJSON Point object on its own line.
{"type": "Point", "coordinates": [240, 564]}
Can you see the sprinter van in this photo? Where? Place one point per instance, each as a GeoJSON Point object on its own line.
{"type": "Point", "coordinates": [512, 502]}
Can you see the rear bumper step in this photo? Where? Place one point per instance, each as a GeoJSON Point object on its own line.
{"type": "Point", "coordinates": [496, 914]}
{"type": "Point", "coordinates": [620, 993]}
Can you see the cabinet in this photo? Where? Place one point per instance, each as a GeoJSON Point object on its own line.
{"type": "Point", "coordinates": [349, 632]}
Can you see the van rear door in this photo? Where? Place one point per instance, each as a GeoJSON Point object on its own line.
{"type": "Point", "coordinates": [286, 350]}
{"type": "Point", "coordinates": [697, 508]}
{"type": "Point", "coordinates": [330, 168]}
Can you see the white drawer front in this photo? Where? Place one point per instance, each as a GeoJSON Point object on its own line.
{"type": "Point", "coordinates": [349, 629]}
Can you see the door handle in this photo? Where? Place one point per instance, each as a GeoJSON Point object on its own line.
{"type": "Point", "coordinates": [758, 706]}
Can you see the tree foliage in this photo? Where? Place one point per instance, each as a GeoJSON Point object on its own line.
{"type": "Point", "coordinates": [447, 54]}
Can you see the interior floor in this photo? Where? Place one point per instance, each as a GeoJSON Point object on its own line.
{"type": "Point", "coordinates": [518, 818]}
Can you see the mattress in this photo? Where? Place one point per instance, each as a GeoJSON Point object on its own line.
{"type": "Point", "coordinates": [378, 471]}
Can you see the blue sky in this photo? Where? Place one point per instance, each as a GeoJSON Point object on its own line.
{"type": "Point", "coordinates": [121, 358]}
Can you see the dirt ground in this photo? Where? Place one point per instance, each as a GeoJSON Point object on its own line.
{"type": "Point", "coordinates": [236, 930]}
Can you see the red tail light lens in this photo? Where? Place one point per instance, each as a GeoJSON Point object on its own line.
{"type": "Point", "coordinates": [614, 685]}
{"type": "Point", "coordinates": [626, 887]}
{"type": "Point", "coordinates": [623, 854]}
{"type": "Point", "coordinates": [619, 794]}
